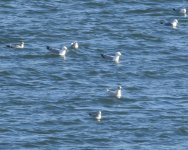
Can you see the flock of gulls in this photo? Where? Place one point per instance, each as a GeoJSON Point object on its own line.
{"type": "Point", "coordinates": [116, 58]}
{"type": "Point", "coordinates": [174, 22]}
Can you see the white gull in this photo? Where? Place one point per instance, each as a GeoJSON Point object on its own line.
{"type": "Point", "coordinates": [74, 45]}
{"type": "Point", "coordinates": [112, 58]}
{"type": "Point", "coordinates": [181, 10]}
{"type": "Point", "coordinates": [173, 23]}
{"type": "Point", "coordinates": [115, 93]}
{"type": "Point", "coordinates": [97, 116]}
{"type": "Point", "coordinates": [18, 45]}
{"type": "Point", "coordinates": [62, 52]}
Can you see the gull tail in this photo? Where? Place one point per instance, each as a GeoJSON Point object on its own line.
{"type": "Point", "coordinates": [92, 114]}
{"type": "Point", "coordinates": [48, 48]}
{"type": "Point", "coordinates": [102, 55]}
{"type": "Point", "coordinates": [10, 46]}
{"type": "Point", "coordinates": [162, 22]}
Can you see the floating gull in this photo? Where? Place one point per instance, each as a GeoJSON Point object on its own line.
{"type": "Point", "coordinates": [62, 52]}
{"type": "Point", "coordinates": [18, 45]}
{"type": "Point", "coordinates": [112, 58]}
{"type": "Point", "coordinates": [97, 116]}
{"type": "Point", "coordinates": [74, 45]}
{"type": "Point", "coordinates": [181, 10]}
{"type": "Point", "coordinates": [173, 23]}
{"type": "Point", "coordinates": [117, 93]}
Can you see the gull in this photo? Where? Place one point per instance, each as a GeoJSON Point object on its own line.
{"type": "Point", "coordinates": [62, 52]}
{"type": "Point", "coordinates": [97, 116]}
{"type": "Point", "coordinates": [18, 45]}
{"type": "Point", "coordinates": [74, 45]}
{"type": "Point", "coordinates": [112, 58]}
{"type": "Point", "coordinates": [117, 93]}
{"type": "Point", "coordinates": [173, 23]}
{"type": "Point", "coordinates": [181, 10]}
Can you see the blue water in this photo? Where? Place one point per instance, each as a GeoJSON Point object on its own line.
{"type": "Point", "coordinates": [45, 100]}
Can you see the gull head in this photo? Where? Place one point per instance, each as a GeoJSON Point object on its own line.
{"type": "Point", "coordinates": [174, 23]}
{"type": "Point", "coordinates": [64, 48]}
{"type": "Point", "coordinates": [183, 11]}
{"type": "Point", "coordinates": [119, 87]}
{"type": "Point", "coordinates": [22, 43]}
{"type": "Point", "coordinates": [75, 45]}
{"type": "Point", "coordinates": [118, 54]}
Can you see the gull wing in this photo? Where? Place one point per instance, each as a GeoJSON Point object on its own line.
{"type": "Point", "coordinates": [107, 57]}
{"type": "Point", "coordinates": [52, 50]}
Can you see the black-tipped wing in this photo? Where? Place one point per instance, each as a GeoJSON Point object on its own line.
{"type": "Point", "coordinates": [107, 57]}
{"type": "Point", "coordinates": [93, 114]}
{"type": "Point", "coordinates": [168, 24]}
{"type": "Point", "coordinates": [10, 46]}
{"type": "Point", "coordinates": [13, 45]}
{"type": "Point", "coordinates": [52, 50]}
